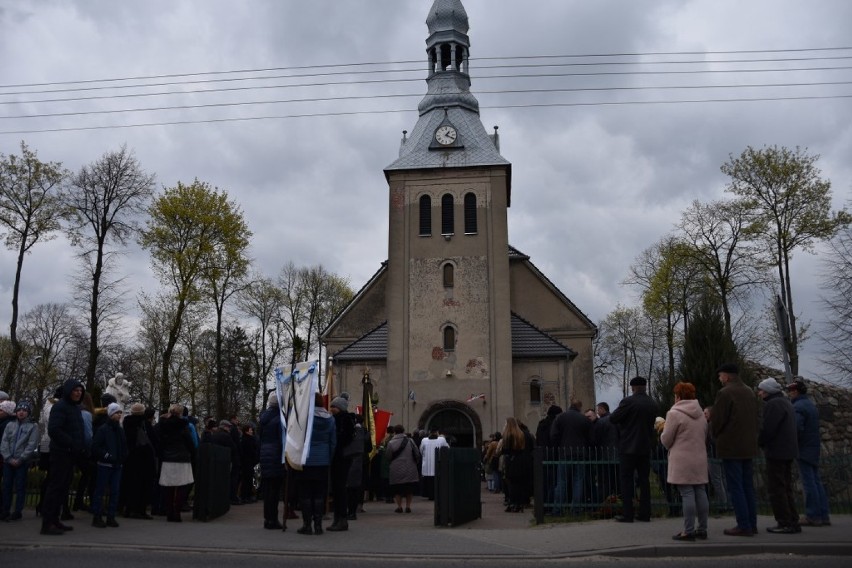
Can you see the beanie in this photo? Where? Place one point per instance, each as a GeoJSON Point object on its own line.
{"type": "Point", "coordinates": [272, 399]}
{"type": "Point", "coordinates": [4, 396]}
{"type": "Point", "coordinates": [138, 409]}
{"type": "Point", "coordinates": [23, 405]}
{"type": "Point", "coordinates": [769, 386]}
{"type": "Point", "coordinates": [7, 406]}
{"type": "Point", "coordinates": [341, 404]}
{"type": "Point", "coordinates": [113, 408]}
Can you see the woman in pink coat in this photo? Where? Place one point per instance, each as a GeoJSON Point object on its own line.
{"type": "Point", "coordinates": [684, 436]}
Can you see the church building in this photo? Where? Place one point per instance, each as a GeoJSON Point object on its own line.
{"type": "Point", "coordinates": [457, 329]}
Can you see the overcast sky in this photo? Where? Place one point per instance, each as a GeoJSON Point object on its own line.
{"type": "Point", "coordinates": [593, 184]}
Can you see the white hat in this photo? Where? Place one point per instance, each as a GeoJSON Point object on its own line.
{"type": "Point", "coordinates": [113, 408]}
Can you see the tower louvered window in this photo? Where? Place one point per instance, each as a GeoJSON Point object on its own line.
{"type": "Point", "coordinates": [447, 217]}
{"type": "Point", "coordinates": [425, 216]}
{"type": "Point", "coordinates": [470, 214]}
{"type": "Point", "coordinates": [449, 338]}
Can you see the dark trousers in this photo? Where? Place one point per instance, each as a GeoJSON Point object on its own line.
{"type": "Point", "coordinates": [58, 484]}
{"type": "Point", "coordinates": [271, 498]}
{"type": "Point", "coordinates": [779, 475]}
{"type": "Point", "coordinates": [313, 489]}
{"type": "Point", "coordinates": [339, 472]}
{"type": "Point", "coordinates": [640, 465]}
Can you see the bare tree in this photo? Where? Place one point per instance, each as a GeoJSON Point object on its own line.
{"type": "Point", "coordinates": [836, 329]}
{"type": "Point", "coordinates": [105, 199]}
{"type": "Point", "coordinates": [719, 233]}
{"type": "Point", "coordinates": [31, 209]}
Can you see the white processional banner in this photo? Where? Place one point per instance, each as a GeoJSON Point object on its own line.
{"type": "Point", "coordinates": [295, 389]}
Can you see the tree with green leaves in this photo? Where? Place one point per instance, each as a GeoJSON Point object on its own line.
{"type": "Point", "coordinates": [188, 232]}
{"type": "Point", "coordinates": [790, 203]}
{"type": "Point", "coordinates": [719, 235]}
{"type": "Point", "coordinates": [105, 200]}
{"type": "Point", "coordinates": [31, 210]}
{"type": "Point", "coordinates": [669, 279]}
{"type": "Point", "coordinates": [705, 347]}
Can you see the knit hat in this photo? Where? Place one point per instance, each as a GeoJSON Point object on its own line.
{"type": "Point", "coordinates": [224, 424]}
{"type": "Point", "coordinates": [341, 404]}
{"type": "Point", "coordinates": [4, 395]}
{"type": "Point", "coordinates": [138, 409]}
{"type": "Point", "coordinates": [272, 399]}
{"type": "Point", "coordinates": [113, 408]}
{"type": "Point", "coordinates": [23, 405]}
{"type": "Point", "coordinates": [7, 406]}
{"type": "Point", "coordinates": [769, 386]}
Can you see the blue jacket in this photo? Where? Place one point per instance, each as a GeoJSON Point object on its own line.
{"type": "Point", "coordinates": [269, 440]}
{"type": "Point", "coordinates": [109, 446]}
{"type": "Point", "coordinates": [807, 429]}
{"type": "Point", "coordinates": [323, 439]}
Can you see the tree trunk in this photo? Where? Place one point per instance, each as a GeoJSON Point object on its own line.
{"type": "Point", "coordinates": [17, 350]}
{"type": "Point", "coordinates": [94, 350]}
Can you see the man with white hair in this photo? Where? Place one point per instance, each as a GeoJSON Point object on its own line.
{"type": "Point", "coordinates": [778, 439]}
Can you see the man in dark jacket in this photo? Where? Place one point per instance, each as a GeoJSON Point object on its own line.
{"type": "Point", "coordinates": [777, 437]}
{"type": "Point", "coordinates": [223, 437]}
{"type": "Point", "coordinates": [570, 433]}
{"type": "Point", "coordinates": [605, 440]}
{"type": "Point", "coordinates": [344, 423]}
{"type": "Point", "coordinates": [67, 445]}
{"type": "Point", "coordinates": [271, 457]}
{"type": "Point", "coordinates": [634, 419]}
{"type": "Point", "coordinates": [734, 425]}
{"type": "Point", "coordinates": [807, 427]}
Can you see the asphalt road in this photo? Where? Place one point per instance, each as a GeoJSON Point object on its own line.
{"type": "Point", "coordinates": [86, 558]}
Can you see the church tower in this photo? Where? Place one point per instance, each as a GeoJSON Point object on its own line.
{"type": "Point", "coordinates": [449, 331]}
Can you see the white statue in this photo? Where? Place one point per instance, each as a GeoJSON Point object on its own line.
{"type": "Point", "coordinates": [119, 387]}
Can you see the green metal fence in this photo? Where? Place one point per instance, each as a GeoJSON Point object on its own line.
{"type": "Point", "coordinates": [600, 489]}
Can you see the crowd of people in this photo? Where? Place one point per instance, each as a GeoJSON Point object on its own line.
{"type": "Point", "coordinates": [131, 465]}
{"type": "Point", "coordinates": [603, 459]}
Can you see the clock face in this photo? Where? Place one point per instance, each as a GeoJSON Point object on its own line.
{"type": "Point", "coordinates": [446, 135]}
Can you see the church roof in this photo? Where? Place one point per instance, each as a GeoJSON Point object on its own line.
{"type": "Point", "coordinates": [530, 342]}
{"type": "Point", "coordinates": [369, 347]}
{"type": "Point", "coordinates": [527, 342]}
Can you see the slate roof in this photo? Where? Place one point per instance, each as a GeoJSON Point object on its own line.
{"type": "Point", "coordinates": [530, 342]}
{"type": "Point", "coordinates": [527, 342]}
{"type": "Point", "coordinates": [369, 347]}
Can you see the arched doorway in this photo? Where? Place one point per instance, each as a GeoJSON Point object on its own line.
{"type": "Point", "coordinates": [455, 420]}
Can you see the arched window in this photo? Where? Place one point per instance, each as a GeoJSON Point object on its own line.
{"type": "Point", "coordinates": [469, 214]}
{"type": "Point", "coordinates": [425, 216]}
{"type": "Point", "coordinates": [447, 217]}
{"type": "Point", "coordinates": [535, 391]}
{"type": "Point", "coordinates": [449, 338]}
{"type": "Point", "coordinates": [449, 275]}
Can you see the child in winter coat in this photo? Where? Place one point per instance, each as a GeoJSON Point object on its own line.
{"type": "Point", "coordinates": [18, 445]}
{"type": "Point", "coordinates": [110, 450]}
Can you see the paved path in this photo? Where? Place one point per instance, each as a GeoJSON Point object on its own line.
{"type": "Point", "coordinates": [382, 533]}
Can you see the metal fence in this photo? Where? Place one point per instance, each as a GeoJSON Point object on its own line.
{"type": "Point", "coordinates": [574, 486]}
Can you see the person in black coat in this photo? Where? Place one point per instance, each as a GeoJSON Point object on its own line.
{"type": "Point", "coordinates": [141, 465]}
{"type": "Point", "coordinates": [109, 449]}
{"type": "Point", "coordinates": [779, 440]}
{"type": "Point", "coordinates": [271, 461]}
{"type": "Point", "coordinates": [67, 445]}
{"type": "Point", "coordinates": [634, 419]}
{"type": "Point", "coordinates": [571, 433]}
{"type": "Point", "coordinates": [344, 422]}
{"type": "Point", "coordinates": [223, 437]}
{"type": "Point", "coordinates": [248, 459]}
{"type": "Point", "coordinates": [177, 452]}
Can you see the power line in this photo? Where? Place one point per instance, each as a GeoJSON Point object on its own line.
{"type": "Point", "coordinates": [394, 111]}
{"type": "Point", "coordinates": [407, 62]}
{"type": "Point", "coordinates": [406, 95]}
